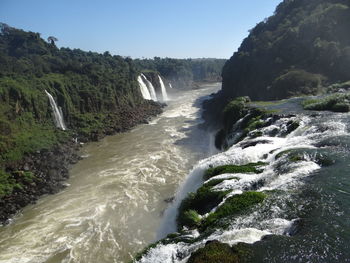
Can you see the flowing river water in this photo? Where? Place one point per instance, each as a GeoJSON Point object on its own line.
{"type": "Point", "coordinates": [115, 199]}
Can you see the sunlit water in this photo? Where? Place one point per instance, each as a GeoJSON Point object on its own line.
{"type": "Point", "coordinates": [306, 215]}
{"type": "Point", "coordinates": [114, 201]}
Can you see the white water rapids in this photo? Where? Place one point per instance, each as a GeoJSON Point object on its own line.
{"type": "Point", "coordinates": [114, 202]}
{"type": "Point", "coordinates": [279, 174]}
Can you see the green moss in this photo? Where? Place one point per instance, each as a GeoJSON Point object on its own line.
{"type": "Point", "coordinates": [336, 103]}
{"type": "Point", "coordinates": [247, 168]}
{"type": "Point", "coordinates": [214, 252]}
{"type": "Point", "coordinates": [337, 86]}
{"type": "Point", "coordinates": [293, 155]}
{"type": "Point", "coordinates": [11, 181]}
{"type": "Point", "coordinates": [200, 202]}
{"type": "Point", "coordinates": [7, 184]}
{"type": "Point", "coordinates": [218, 181]}
{"type": "Point", "coordinates": [233, 206]}
{"type": "Point", "coordinates": [217, 252]}
{"type": "Point", "coordinates": [235, 110]}
{"type": "Point", "coordinates": [189, 218]}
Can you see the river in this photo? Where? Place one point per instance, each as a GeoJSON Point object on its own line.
{"type": "Point", "coordinates": [114, 201]}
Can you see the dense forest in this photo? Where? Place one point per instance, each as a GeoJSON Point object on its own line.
{"type": "Point", "coordinates": [98, 94]}
{"type": "Point", "coordinates": [302, 48]}
{"type": "Point", "coordinates": [87, 86]}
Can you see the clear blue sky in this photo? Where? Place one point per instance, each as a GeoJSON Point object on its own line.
{"type": "Point", "coordinates": [141, 28]}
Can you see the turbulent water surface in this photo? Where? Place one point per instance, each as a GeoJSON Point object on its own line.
{"type": "Point", "coordinates": [114, 201]}
{"type": "Point", "coordinates": [306, 214]}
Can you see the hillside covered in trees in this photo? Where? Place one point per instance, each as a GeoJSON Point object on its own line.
{"type": "Point", "coordinates": [93, 90]}
{"type": "Point", "coordinates": [302, 48]}
{"type": "Point", "coordinates": [98, 94]}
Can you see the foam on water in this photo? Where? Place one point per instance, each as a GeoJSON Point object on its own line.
{"type": "Point", "coordinates": [251, 228]}
{"type": "Point", "coordinates": [112, 207]}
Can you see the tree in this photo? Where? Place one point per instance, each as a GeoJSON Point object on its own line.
{"type": "Point", "coordinates": [52, 40]}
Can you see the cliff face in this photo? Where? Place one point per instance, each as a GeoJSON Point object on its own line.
{"type": "Point", "coordinates": [305, 45]}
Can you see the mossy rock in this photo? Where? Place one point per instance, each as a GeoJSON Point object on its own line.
{"type": "Point", "coordinates": [217, 252]}
{"type": "Point", "coordinates": [215, 182]}
{"type": "Point", "coordinates": [189, 218]}
{"type": "Point", "coordinates": [294, 155]}
{"type": "Point", "coordinates": [233, 206]}
{"type": "Point", "coordinates": [235, 110]}
{"type": "Point", "coordinates": [230, 168]}
{"type": "Point", "coordinates": [197, 203]}
{"type": "Point", "coordinates": [336, 103]}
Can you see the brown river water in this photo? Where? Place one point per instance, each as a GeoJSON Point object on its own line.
{"type": "Point", "coordinates": [113, 204]}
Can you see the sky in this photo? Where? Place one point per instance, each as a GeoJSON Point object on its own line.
{"type": "Point", "coordinates": [141, 28]}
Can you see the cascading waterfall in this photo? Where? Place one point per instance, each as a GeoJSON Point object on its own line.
{"type": "Point", "coordinates": [170, 86]}
{"type": "Point", "coordinates": [278, 174]}
{"type": "Point", "coordinates": [163, 89]}
{"type": "Point", "coordinates": [143, 88]}
{"type": "Point", "coordinates": [150, 88]}
{"type": "Point", "coordinates": [57, 112]}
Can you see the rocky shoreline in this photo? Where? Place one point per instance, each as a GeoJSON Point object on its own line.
{"type": "Point", "coordinates": [45, 171]}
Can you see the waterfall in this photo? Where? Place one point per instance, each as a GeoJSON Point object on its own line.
{"type": "Point", "coordinates": [144, 90]}
{"type": "Point", "coordinates": [164, 94]}
{"type": "Point", "coordinates": [57, 112]}
{"type": "Point", "coordinates": [150, 88]}
{"type": "Point", "coordinates": [170, 86]}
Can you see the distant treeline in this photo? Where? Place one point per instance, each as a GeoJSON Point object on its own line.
{"type": "Point", "coordinates": [184, 70]}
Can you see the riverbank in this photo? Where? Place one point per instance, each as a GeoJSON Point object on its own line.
{"type": "Point", "coordinates": [45, 171]}
{"type": "Point", "coordinates": [116, 196]}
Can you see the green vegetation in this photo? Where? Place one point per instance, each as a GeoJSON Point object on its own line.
{"type": "Point", "coordinates": [90, 88]}
{"type": "Point", "coordinates": [189, 218]}
{"type": "Point", "coordinates": [246, 168]}
{"type": "Point", "coordinates": [299, 50]}
{"type": "Point", "coordinates": [233, 206]}
{"type": "Point", "coordinates": [197, 203]}
{"type": "Point", "coordinates": [252, 119]}
{"type": "Point", "coordinates": [336, 103]}
{"type": "Point", "coordinates": [217, 252]}
{"type": "Point", "coordinates": [235, 110]}
{"type": "Point", "coordinates": [339, 86]}
{"type": "Point", "coordinates": [11, 181]}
